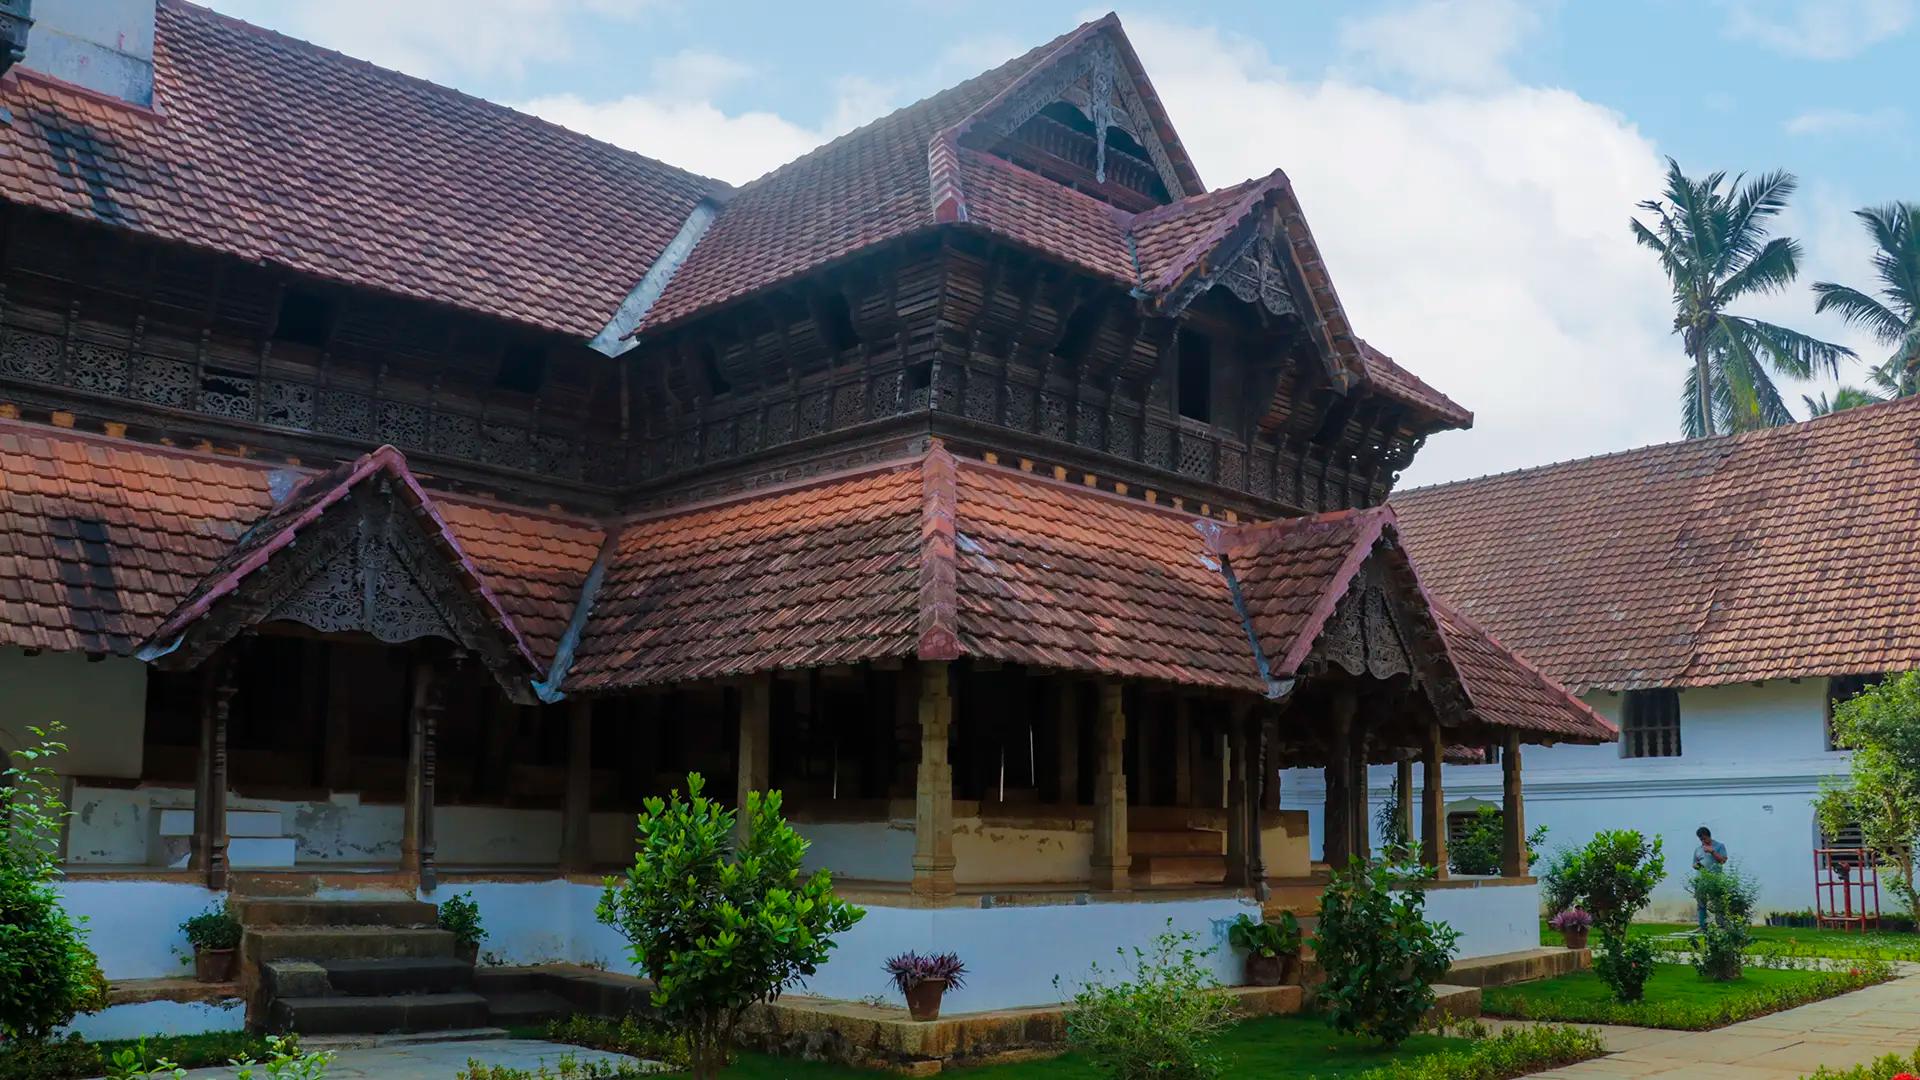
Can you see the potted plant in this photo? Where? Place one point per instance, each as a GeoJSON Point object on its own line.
{"type": "Point", "coordinates": [1272, 948]}
{"type": "Point", "coordinates": [923, 980]}
{"type": "Point", "coordinates": [214, 935]}
{"type": "Point", "coordinates": [461, 915]}
{"type": "Point", "coordinates": [1573, 925]}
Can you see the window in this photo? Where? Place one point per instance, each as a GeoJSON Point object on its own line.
{"type": "Point", "coordinates": [717, 383]}
{"type": "Point", "coordinates": [1650, 724]}
{"type": "Point", "coordinates": [522, 369]}
{"type": "Point", "coordinates": [1195, 389]}
{"type": "Point", "coordinates": [1839, 689]}
{"type": "Point", "coordinates": [305, 318]}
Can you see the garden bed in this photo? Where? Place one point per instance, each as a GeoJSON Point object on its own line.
{"type": "Point", "coordinates": [1790, 942]}
{"type": "Point", "coordinates": [74, 1058]}
{"type": "Point", "coordinates": [1676, 996]}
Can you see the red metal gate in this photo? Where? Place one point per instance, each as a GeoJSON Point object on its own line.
{"type": "Point", "coordinates": [1846, 888]}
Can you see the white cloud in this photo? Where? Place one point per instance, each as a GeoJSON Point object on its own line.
{"type": "Point", "coordinates": [1443, 43]}
{"type": "Point", "coordinates": [1843, 121]}
{"type": "Point", "coordinates": [694, 74]}
{"type": "Point", "coordinates": [442, 40]}
{"type": "Point", "coordinates": [1818, 29]}
{"type": "Point", "coordinates": [1480, 239]}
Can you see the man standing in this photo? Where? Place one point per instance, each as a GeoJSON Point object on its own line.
{"type": "Point", "coordinates": [1710, 855]}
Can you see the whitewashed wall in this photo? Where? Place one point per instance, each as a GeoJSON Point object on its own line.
{"type": "Point", "coordinates": [1752, 761]}
{"type": "Point", "coordinates": [102, 703]}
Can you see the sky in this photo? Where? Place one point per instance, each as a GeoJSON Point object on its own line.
{"type": "Point", "coordinates": [1467, 166]}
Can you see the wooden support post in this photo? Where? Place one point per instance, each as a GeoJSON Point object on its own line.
{"type": "Point", "coordinates": [1513, 812]}
{"type": "Point", "coordinates": [208, 853]}
{"type": "Point", "coordinates": [1182, 752]}
{"type": "Point", "coordinates": [756, 713]}
{"type": "Point", "coordinates": [1140, 749]}
{"type": "Point", "coordinates": [1256, 785]}
{"type": "Point", "coordinates": [417, 845]}
{"type": "Point", "coordinates": [1237, 819]}
{"type": "Point", "coordinates": [1360, 822]}
{"type": "Point", "coordinates": [1110, 862]}
{"type": "Point", "coordinates": [1433, 806]}
{"type": "Point", "coordinates": [1270, 765]}
{"type": "Point", "coordinates": [933, 859]}
{"type": "Point", "coordinates": [1403, 780]}
{"type": "Point", "coordinates": [1066, 724]}
{"type": "Point", "coordinates": [1336, 837]}
{"type": "Point", "coordinates": [576, 842]}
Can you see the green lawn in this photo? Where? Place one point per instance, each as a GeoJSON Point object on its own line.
{"type": "Point", "coordinates": [1676, 997]}
{"type": "Point", "coordinates": [1789, 941]}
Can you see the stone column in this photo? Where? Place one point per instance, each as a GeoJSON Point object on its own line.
{"type": "Point", "coordinates": [1110, 861]}
{"type": "Point", "coordinates": [576, 844]}
{"type": "Point", "coordinates": [756, 711]}
{"type": "Point", "coordinates": [1237, 818]}
{"type": "Point", "coordinates": [1513, 812]}
{"type": "Point", "coordinates": [933, 859]}
{"type": "Point", "coordinates": [208, 852]}
{"type": "Point", "coordinates": [1182, 752]}
{"type": "Point", "coordinates": [417, 845]}
{"type": "Point", "coordinates": [1433, 806]}
{"type": "Point", "coordinates": [1336, 839]}
{"type": "Point", "coordinates": [1403, 780]}
{"type": "Point", "coordinates": [1066, 721]}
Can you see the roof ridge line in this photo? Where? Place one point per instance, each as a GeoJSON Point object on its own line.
{"type": "Point", "coordinates": [549, 690]}
{"type": "Point", "coordinates": [1329, 598]}
{"type": "Point", "coordinates": [939, 594]}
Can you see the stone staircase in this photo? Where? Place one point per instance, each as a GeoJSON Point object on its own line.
{"type": "Point", "coordinates": [1178, 857]}
{"type": "Point", "coordinates": [366, 966]}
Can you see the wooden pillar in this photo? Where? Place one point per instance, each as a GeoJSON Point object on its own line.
{"type": "Point", "coordinates": [1433, 805]}
{"type": "Point", "coordinates": [1066, 730]}
{"type": "Point", "coordinates": [1360, 822]}
{"type": "Point", "coordinates": [1403, 781]}
{"type": "Point", "coordinates": [1256, 784]}
{"type": "Point", "coordinates": [1237, 819]}
{"type": "Point", "coordinates": [933, 859]}
{"type": "Point", "coordinates": [1336, 838]}
{"type": "Point", "coordinates": [1140, 749]}
{"type": "Point", "coordinates": [576, 842]}
{"type": "Point", "coordinates": [1270, 765]}
{"type": "Point", "coordinates": [756, 712]}
{"type": "Point", "coordinates": [417, 844]}
{"type": "Point", "coordinates": [1183, 753]}
{"type": "Point", "coordinates": [1513, 812]}
{"type": "Point", "coordinates": [1110, 862]}
{"type": "Point", "coordinates": [208, 851]}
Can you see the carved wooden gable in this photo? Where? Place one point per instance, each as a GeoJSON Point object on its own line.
{"type": "Point", "coordinates": [1256, 267]}
{"type": "Point", "coordinates": [1380, 629]}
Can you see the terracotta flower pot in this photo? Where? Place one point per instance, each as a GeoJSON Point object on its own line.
{"type": "Point", "coordinates": [923, 1001]}
{"type": "Point", "coordinates": [213, 965]}
{"type": "Point", "coordinates": [1266, 970]}
{"type": "Point", "coordinates": [1575, 938]}
{"type": "Point", "coordinates": [467, 951]}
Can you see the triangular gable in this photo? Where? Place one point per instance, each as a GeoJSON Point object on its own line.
{"type": "Point", "coordinates": [360, 548]}
{"type": "Point", "coordinates": [1096, 71]}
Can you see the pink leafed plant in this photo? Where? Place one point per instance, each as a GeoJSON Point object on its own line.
{"type": "Point", "coordinates": [1571, 919]}
{"type": "Point", "coordinates": [910, 969]}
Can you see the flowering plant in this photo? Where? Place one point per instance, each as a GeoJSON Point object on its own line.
{"type": "Point", "coordinates": [910, 969]}
{"type": "Point", "coordinates": [1571, 919]}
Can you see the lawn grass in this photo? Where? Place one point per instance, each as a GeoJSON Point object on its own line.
{"type": "Point", "coordinates": [1793, 941]}
{"type": "Point", "coordinates": [1676, 996]}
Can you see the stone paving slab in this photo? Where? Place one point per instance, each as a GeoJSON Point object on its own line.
{"type": "Point", "coordinates": [440, 1061]}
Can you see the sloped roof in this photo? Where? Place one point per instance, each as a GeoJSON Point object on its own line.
{"type": "Point", "coordinates": [1781, 553]}
{"type": "Point", "coordinates": [275, 150]}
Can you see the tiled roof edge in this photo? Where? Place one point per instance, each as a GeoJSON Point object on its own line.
{"type": "Point", "coordinates": [939, 570]}
{"type": "Point", "coordinates": [548, 689]}
{"type": "Point", "coordinates": [622, 331]}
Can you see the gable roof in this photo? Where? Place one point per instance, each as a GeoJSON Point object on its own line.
{"type": "Point", "coordinates": [1781, 553]}
{"type": "Point", "coordinates": [274, 150]}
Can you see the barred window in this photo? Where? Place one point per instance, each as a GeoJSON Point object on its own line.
{"type": "Point", "coordinates": [1650, 724]}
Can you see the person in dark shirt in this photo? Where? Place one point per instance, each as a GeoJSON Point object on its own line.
{"type": "Point", "coordinates": [1710, 855]}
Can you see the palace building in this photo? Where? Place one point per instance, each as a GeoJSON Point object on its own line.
{"type": "Point", "coordinates": [396, 489]}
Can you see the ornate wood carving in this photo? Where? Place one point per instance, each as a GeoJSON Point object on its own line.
{"type": "Point", "coordinates": [1364, 636]}
{"type": "Point", "coordinates": [210, 840]}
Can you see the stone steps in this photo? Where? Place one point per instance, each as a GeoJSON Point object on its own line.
{"type": "Point", "coordinates": [261, 945]}
{"type": "Point", "coordinates": [419, 975]}
{"type": "Point", "coordinates": [523, 1008]}
{"type": "Point", "coordinates": [268, 911]}
{"type": "Point", "coordinates": [341, 1015]}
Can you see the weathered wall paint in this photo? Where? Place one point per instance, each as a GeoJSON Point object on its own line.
{"type": "Point", "coordinates": [1492, 916]}
{"type": "Point", "coordinates": [134, 926]}
{"type": "Point", "coordinates": [861, 850]}
{"type": "Point", "coordinates": [102, 703]}
{"type": "Point", "coordinates": [160, 1018]}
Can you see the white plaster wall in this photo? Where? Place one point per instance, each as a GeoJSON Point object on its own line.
{"type": "Point", "coordinates": [134, 926]}
{"type": "Point", "coordinates": [1491, 918]}
{"type": "Point", "coordinates": [103, 704]}
{"type": "Point", "coordinates": [159, 1018]}
{"type": "Point", "coordinates": [1752, 761]}
{"type": "Point", "coordinates": [988, 853]}
{"type": "Point", "coordinates": [860, 850]}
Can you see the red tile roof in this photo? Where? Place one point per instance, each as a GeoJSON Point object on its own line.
{"type": "Point", "coordinates": [275, 150]}
{"type": "Point", "coordinates": [101, 539]}
{"type": "Point", "coordinates": [1782, 553]}
{"type": "Point", "coordinates": [1503, 686]}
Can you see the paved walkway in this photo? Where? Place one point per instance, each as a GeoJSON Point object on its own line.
{"type": "Point", "coordinates": [439, 1061]}
{"type": "Point", "coordinates": [1839, 1032]}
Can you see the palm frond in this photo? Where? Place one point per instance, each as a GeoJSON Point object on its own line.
{"type": "Point", "coordinates": [1773, 268]}
{"type": "Point", "coordinates": [1859, 309]}
{"type": "Point", "coordinates": [1690, 405]}
{"type": "Point", "coordinates": [1762, 198]}
{"type": "Point", "coordinates": [1799, 355]}
{"type": "Point", "coordinates": [1753, 399]}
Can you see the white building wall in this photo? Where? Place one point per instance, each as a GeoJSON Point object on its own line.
{"type": "Point", "coordinates": [1752, 761]}
{"type": "Point", "coordinates": [102, 703]}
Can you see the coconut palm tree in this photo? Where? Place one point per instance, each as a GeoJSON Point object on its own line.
{"type": "Point", "coordinates": [1711, 236]}
{"type": "Point", "coordinates": [1846, 397]}
{"type": "Point", "coordinates": [1892, 317]}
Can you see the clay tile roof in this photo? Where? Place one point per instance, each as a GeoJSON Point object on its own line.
{"type": "Point", "coordinates": [1508, 691]}
{"type": "Point", "coordinates": [1167, 240]}
{"type": "Point", "coordinates": [1781, 553]}
{"type": "Point", "coordinates": [1397, 382]}
{"type": "Point", "coordinates": [101, 539]}
{"type": "Point", "coordinates": [275, 150]}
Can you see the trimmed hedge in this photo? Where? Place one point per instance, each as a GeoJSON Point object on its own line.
{"type": "Point", "coordinates": [1689, 1015]}
{"type": "Point", "coordinates": [1514, 1052]}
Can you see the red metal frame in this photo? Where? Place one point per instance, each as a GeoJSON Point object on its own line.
{"type": "Point", "coordinates": [1846, 888]}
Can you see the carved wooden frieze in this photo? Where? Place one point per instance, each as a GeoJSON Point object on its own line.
{"type": "Point", "coordinates": [1366, 634]}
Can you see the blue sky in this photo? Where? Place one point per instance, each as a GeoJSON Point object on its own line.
{"type": "Point", "coordinates": [1468, 166]}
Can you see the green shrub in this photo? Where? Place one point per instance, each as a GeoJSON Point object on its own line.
{"type": "Point", "coordinates": [1612, 878]}
{"type": "Point", "coordinates": [717, 929]}
{"type": "Point", "coordinates": [1624, 962]}
{"type": "Point", "coordinates": [1729, 896]}
{"type": "Point", "coordinates": [285, 1061]}
{"type": "Point", "coordinates": [569, 1067]}
{"type": "Point", "coordinates": [629, 1035]}
{"type": "Point", "coordinates": [50, 1059]}
{"type": "Point", "coordinates": [1279, 937]}
{"type": "Point", "coordinates": [1514, 1052]}
{"type": "Point", "coordinates": [1687, 1015]}
{"type": "Point", "coordinates": [1479, 847]}
{"type": "Point", "coordinates": [73, 1058]}
{"type": "Point", "coordinates": [459, 914]}
{"type": "Point", "coordinates": [1878, 1069]}
{"type": "Point", "coordinates": [1380, 953]}
{"type": "Point", "coordinates": [1879, 793]}
{"type": "Point", "coordinates": [1160, 1023]}
{"type": "Point", "coordinates": [47, 973]}
{"type": "Point", "coordinates": [214, 928]}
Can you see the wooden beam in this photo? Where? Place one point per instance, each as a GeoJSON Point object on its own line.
{"type": "Point", "coordinates": [1110, 863]}
{"type": "Point", "coordinates": [1433, 805]}
{"type": "Point", "coordinates": [417, 844]}
{"type": "Point", "coordinates": [209, 845]}
{"type": "Point", "coordinates": [756, 708]}
{"type": "Point", "coordinates": [1513, 815]}
{"type": "Point", "coordinates": [1336, 836]}
{"type": "Point", "coordinates": [1238, 840]}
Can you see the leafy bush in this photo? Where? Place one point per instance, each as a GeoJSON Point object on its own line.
{"type": "Point", "coordinates": [1524, 1002]}
{"type": "Point", "coordinates": [630, 1035]}
{"type": "Point", "coordinates": [1880, 793]}
{"type": "Point", "coordinates": [1477, 851]}
{"type": "Point", "coordinates": [50, 1059]}
{"type": "Point", "coordinates": [1513, 1052]}
{"type": "Point", "coordinates": [910, 969]}
{"type": "Point", "coordinates": [1624, 962]}
{"type": "Point", "coordinates": [1729, 897]}
{"type": "Point", "coordinates": [47, 973]}
{"type": "Point", "coordinates": [285, 1061]}
{"type": "Point", "coordinates": [569, 1067]}
{"type": "Point", "coordinates": [1612, 878]}
{"type": "Point", "coordinates": [136, 1062]}
{"type": "Point", "coordinates": [1158, 1024]}
{"type": "Point", "coordinates": [1380, 953]}
{"type": "Point", "coordinates": [1891, 1065]}
{"type": "Point", "coordinates": [214, 928]}
{"type": "Point", "coordinates": [1279, 937]}
{"type": "Point", "coordinates": [717, 929]}
{"type": "Point", "coordinates": [459, 914]}
{"type": "Point", "coordinates": [74, 1057]}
